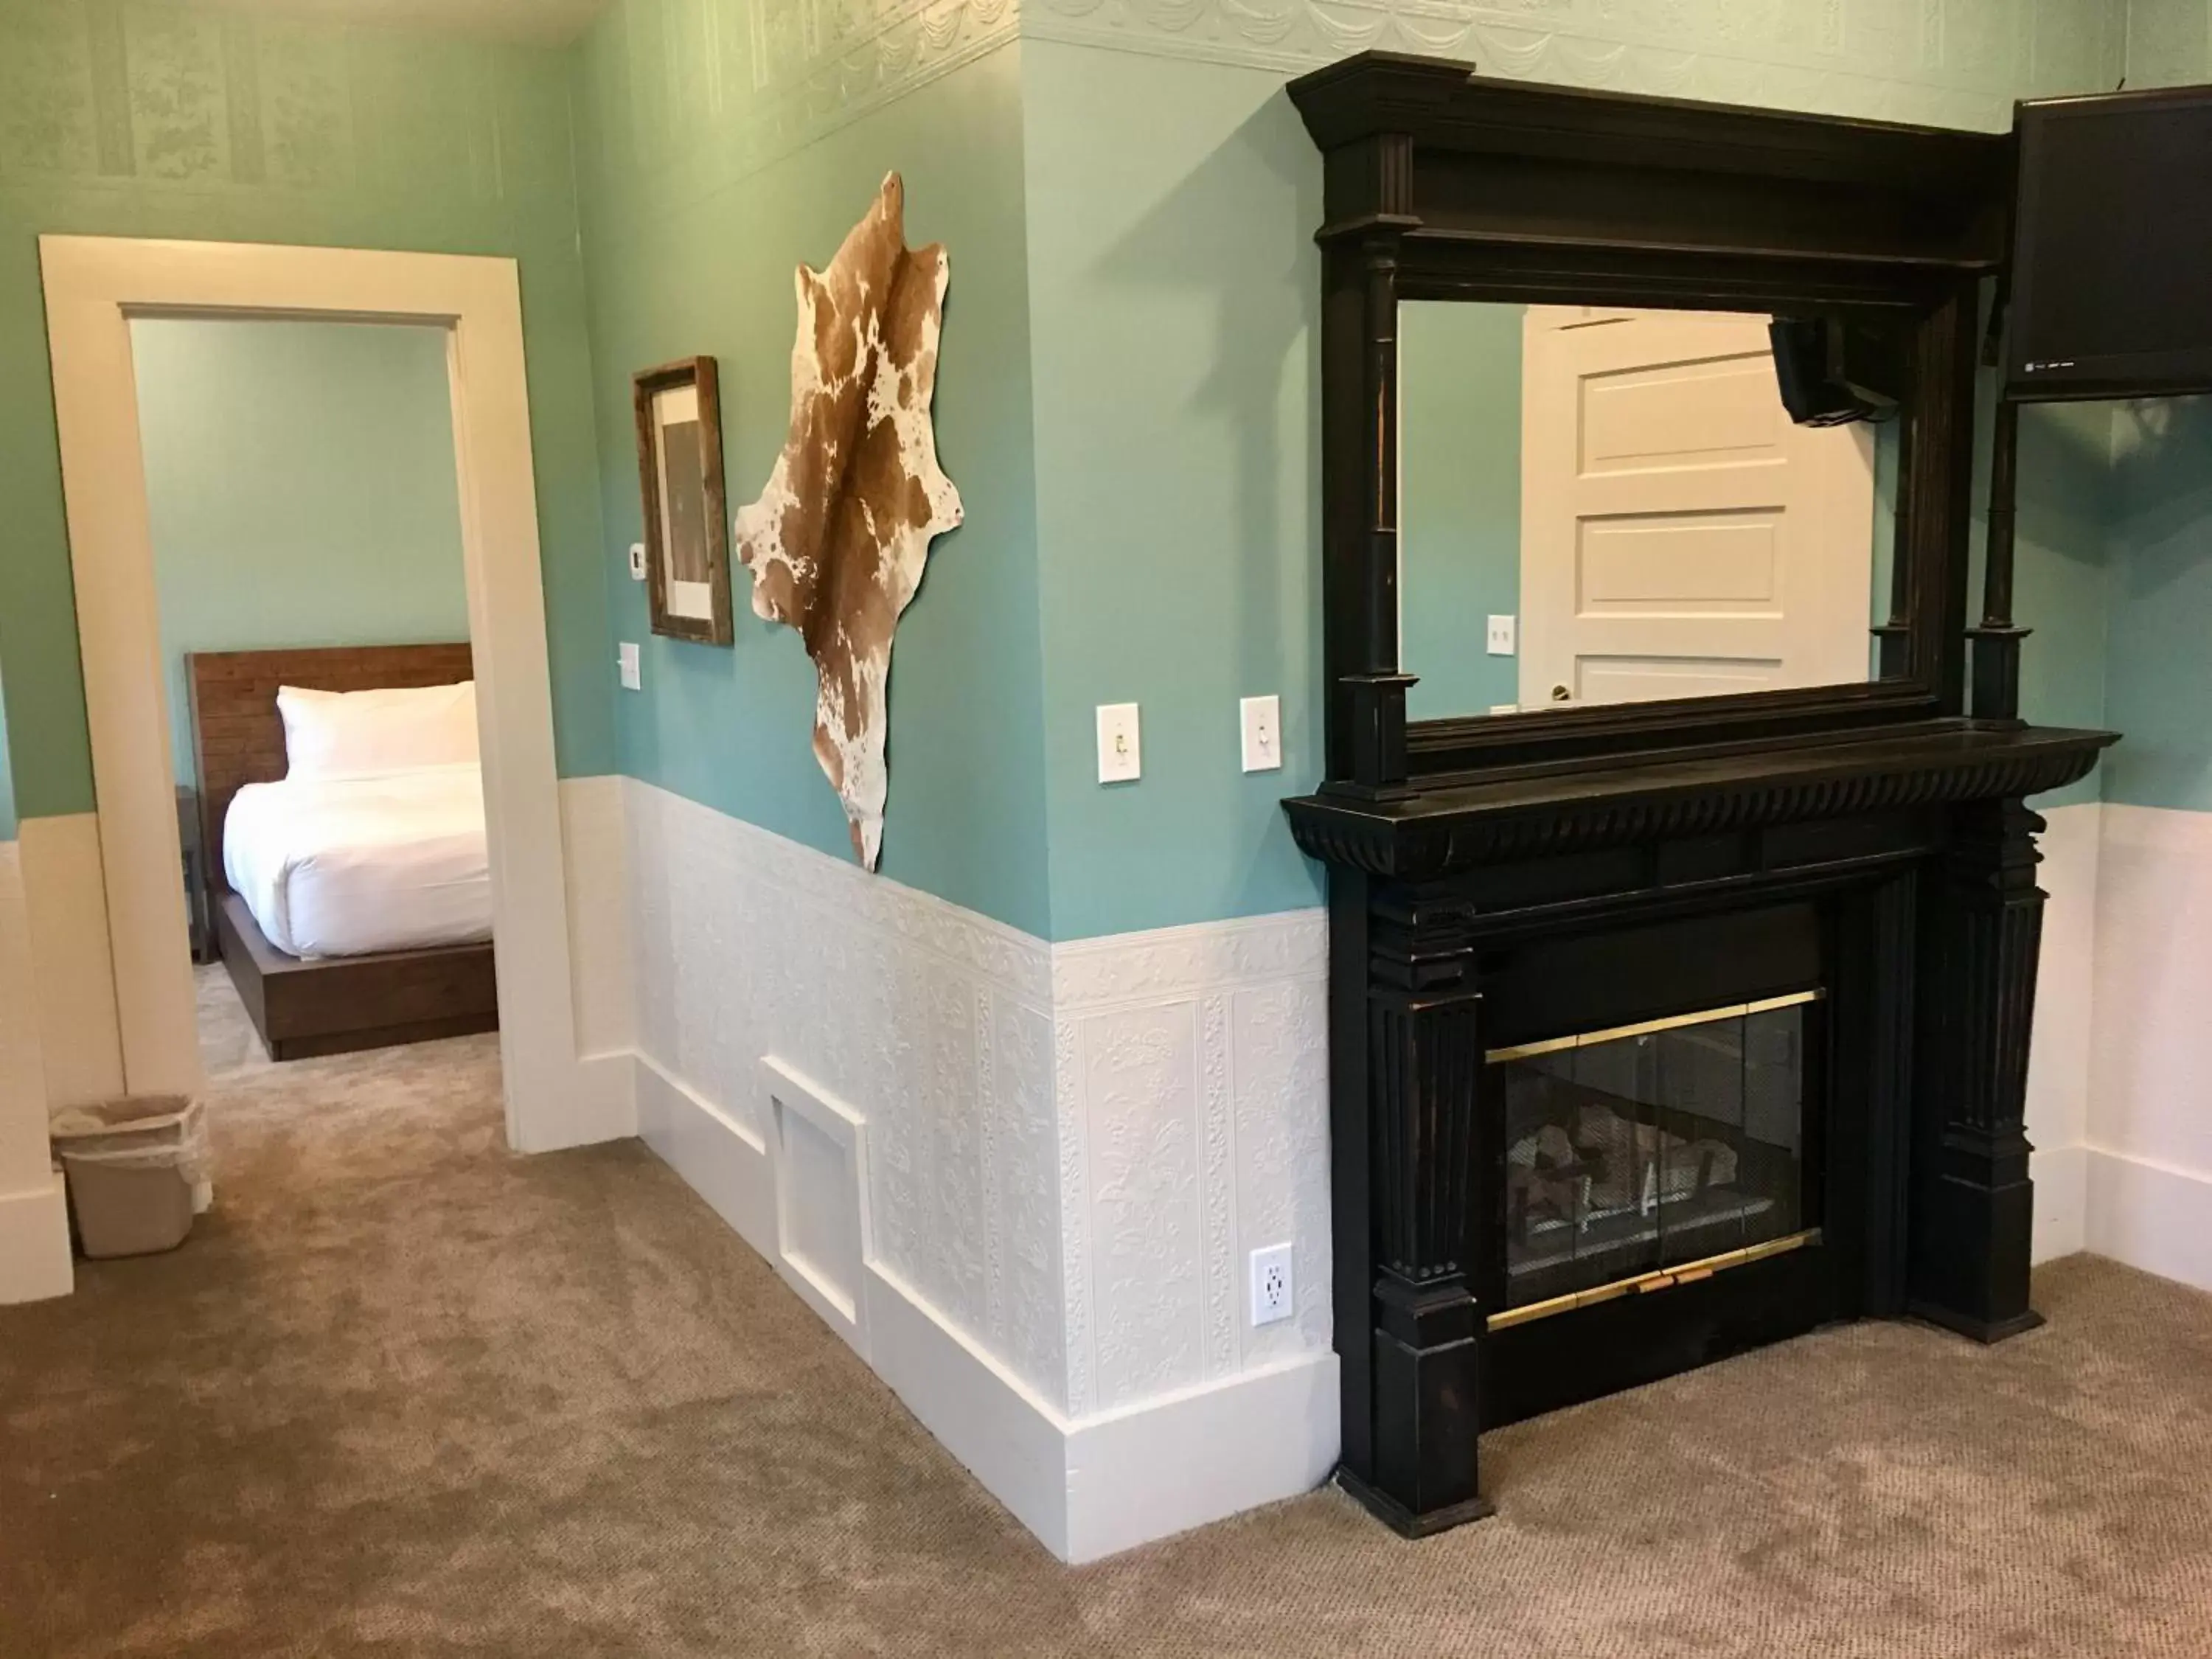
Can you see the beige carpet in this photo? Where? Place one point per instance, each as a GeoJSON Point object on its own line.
{"type": "Point", "coordinates": [403, 1393]}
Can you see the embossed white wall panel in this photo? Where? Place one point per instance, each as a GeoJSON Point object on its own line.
{"type": "Point", "coordinates": [2150, 1157]}
{"type": "Point", "coordinates": [1068, 1154]}
{"type": "Point", "coordinates": [930, 1023]}
{"type": "Point", "coordinates": [1194, 1108]}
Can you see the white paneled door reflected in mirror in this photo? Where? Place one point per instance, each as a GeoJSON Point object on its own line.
{"type": "Point", "coordinates": [1627, 487]}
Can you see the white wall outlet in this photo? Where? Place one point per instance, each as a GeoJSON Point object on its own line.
{"type": "Point", "coordinates": [1262, 719]}
{"type": "Point", "coordinates": [637, 561]}
{"type": "Point", "coordinates": [1120, 755]}
{"type": "Point", "coordinates": [632, 671]}
{"type": "Point", "coordinates": [1503, 630]}
{"type": "Point", "coordinates": [1273, 1289]}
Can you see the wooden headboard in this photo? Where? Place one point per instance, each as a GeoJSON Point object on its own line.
{"type": "Point", "coordinates": [238, 738]}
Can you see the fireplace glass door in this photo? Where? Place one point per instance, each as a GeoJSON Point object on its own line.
{"type": "Point", "coordinates": [1642, 1155]}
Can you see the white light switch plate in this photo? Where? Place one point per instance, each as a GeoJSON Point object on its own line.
{"type": "Point", "coordinates": [637, 561]}
{"type": "Point", "coordinates": [1502, 636]}
{"type": "Point", "coordinates": [1120, 755]}
{"type": "Point", "coordinates": [1274, 1292]}
{"type": "Point", "coordinates": [633, 672]}
{"type": "Point", "coordinates": [1262, 719]}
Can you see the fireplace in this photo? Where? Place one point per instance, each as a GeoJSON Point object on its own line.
{"type": "Point", "coordinates": [1641, 1158]}
{"type": "Point", "coordinates": [1658, 1179]}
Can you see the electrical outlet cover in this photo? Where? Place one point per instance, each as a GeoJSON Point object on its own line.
{"type": "Point", "coordinates": [1273, 1291]}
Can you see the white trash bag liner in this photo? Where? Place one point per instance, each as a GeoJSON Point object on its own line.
{"type": "Point", "coordinates": [142, 1131]}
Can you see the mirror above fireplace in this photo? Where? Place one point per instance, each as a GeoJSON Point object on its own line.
{"type": "Point", "coordinates": [1610, 504]}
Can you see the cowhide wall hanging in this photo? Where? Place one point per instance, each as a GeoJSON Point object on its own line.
{"type": "Point", "coordinates": [838, 538]}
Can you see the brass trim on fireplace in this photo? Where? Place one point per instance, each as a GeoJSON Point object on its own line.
{"type": "Point", "coordinates": [1645, 1028]}
{"type": "Point", "coordinates": [1660, 1278]}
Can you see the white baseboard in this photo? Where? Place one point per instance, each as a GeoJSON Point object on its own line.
{"type": "Point", "coordinates": [1086, 1488]}
{"type": "Point", "coordinates": [2061, 1202]}
{"type": "Point", "coordinates": [1101, 1485]}
{"type": "Point", "coordinates": [720, 1159]}
{"type": "Point", "coordinates": [2150, 1216]}
{"type": "Point", "coordinates": [1169, 1465]}
{"type": "Point", "coordinates": [1007, 1437]}
{"type": "Point", "coordinates": [34, 1244]}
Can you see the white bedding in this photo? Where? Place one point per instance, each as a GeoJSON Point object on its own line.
{"type": "Point", "coordinates": [341, 866]}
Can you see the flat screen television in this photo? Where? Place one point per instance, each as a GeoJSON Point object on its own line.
{"type": "Point", "coordinates": [2112, 272]}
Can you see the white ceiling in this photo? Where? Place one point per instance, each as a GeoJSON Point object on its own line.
{"type": "Point", "coordinates": [543, 22]}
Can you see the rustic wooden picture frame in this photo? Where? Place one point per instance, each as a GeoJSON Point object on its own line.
{"type": "Point", "coordinates": [660, 560]}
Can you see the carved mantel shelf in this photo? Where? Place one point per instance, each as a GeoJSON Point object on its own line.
{"type": "Point", "coordinates": [1442, 830]}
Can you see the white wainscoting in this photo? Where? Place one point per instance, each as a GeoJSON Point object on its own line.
{"type": "Point", "coordinates": [34, 1241]}
{"type": "Point", "coordinates": [1021, 1181]}
{"type": "Point", "coordinates": [2058, 1070]}
{"type": "Point", "coordinates": [595, 870]}
{"type": "Point", "coordinates": [1024, 1181]}
{"type": "Point", "coordinates": [1192, 1068]}
{"type": "Point", "coordinates": [2148, 1159]}
{"type": "Point", "coordinates": [931, 1023]}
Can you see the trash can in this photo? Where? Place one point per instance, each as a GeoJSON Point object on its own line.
{"type": "Point", "coordinates": [138, 1171]}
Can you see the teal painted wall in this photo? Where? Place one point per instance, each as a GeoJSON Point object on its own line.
{"type": "Point", "coordinates": [2159, 665]}
{"type": "Point", "coordinates": [692, 234]}
{"type": "Point", "coordinates": [2063, 570]}
{"type": "Point", "coordinates": [1173, 283]}
{"type": "Point", "coordinates": [147, 120]}
{"type": "Point", "coordinates": [300, 485]}
{"type": "Point", "coordinates": [1459, 506]}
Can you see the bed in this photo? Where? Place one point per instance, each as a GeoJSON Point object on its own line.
{"type": "Point", "coordinates": [350, 911]}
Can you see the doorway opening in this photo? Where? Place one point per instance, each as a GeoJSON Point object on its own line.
{"type": "Point", "coordinates": [129, 905]}
{"type": "Point", "coordinates": [303, 502]}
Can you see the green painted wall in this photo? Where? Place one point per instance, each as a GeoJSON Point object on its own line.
{"type": "Point", "coordinates": [147, 120]}
{"type": "Point", "coordinates": [1459, 506]}
{"type": "Point", "coordinates": [1173, 281]}
{"type": "Point", "coordinates": [2063, 570]}
{"type": "Point", "coordinates": [692, 223]}
{"type": "Point", "coordinates": [301, 483]}
{"type": "Point", "coordinates": [2159, 665]}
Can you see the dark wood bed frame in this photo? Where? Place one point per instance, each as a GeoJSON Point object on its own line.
{"type": "Point", "coordinates": [339, 1004]}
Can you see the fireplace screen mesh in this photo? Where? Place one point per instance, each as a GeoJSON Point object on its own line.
{"type": "Point", "coordinates": [1642, 1148]}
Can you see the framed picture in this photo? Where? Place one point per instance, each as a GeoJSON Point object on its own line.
{"type": "Point", "coordinates": [687, 522]}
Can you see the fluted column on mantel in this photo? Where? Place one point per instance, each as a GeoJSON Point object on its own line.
{"type": "Point", "coordinates": [1973, 1203]}
{"type": "Point", "coordinates": [1425, 1061]}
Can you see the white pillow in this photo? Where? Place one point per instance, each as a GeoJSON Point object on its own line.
{"type": "Point", "coordinates": [352, 734]}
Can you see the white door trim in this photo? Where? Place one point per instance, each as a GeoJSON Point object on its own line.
{"type": "Point", "coordinates": [93, 285]}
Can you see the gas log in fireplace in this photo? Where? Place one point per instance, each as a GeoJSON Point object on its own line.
{"type": "Point", "coordinates": [1682, 1004]}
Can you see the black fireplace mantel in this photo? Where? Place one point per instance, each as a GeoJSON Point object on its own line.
{"type": "Point", "coordinates": [1498, 881]}
{"type": "Point", "coordinates": [1454, 826]}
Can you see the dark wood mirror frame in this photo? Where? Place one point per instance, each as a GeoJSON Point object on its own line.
{"type": "Point", "coordinates": [1524, 876]}
{"type": "Point", "coordinates": [1442, 185]}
